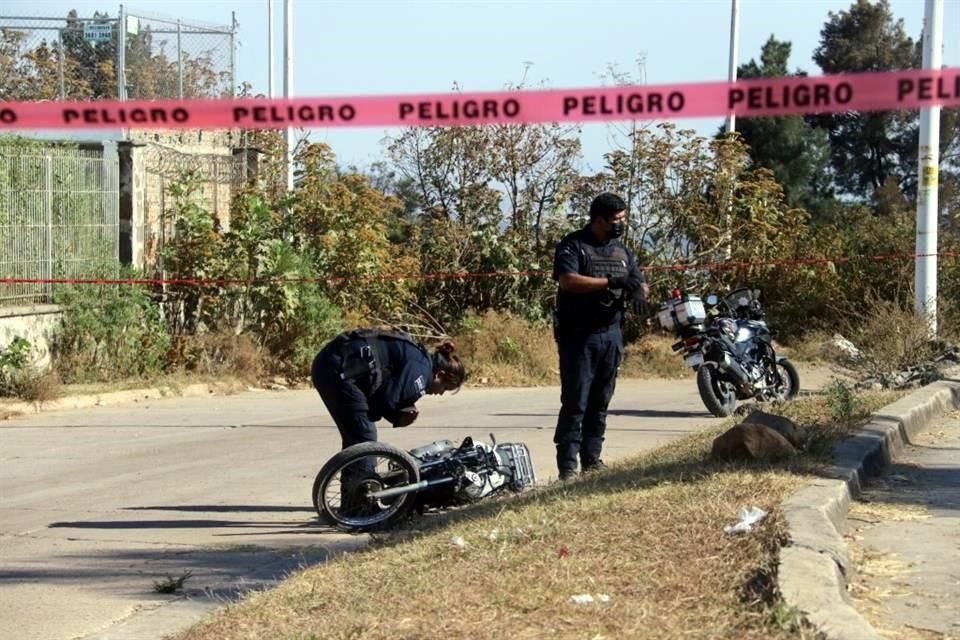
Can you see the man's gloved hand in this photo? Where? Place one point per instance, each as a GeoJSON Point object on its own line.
{"type": "Point", "coordinates": [638, 305]}
{"type": "Point", "coordinates": [405, 417]}
{"type": "Point", "coordinates": [630, 285]}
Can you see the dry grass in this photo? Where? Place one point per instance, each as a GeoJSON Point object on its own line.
{"type": "Point", "coordinates": [32, 385]}
{"type": "Point", "coordinates": [809, 348]}
{"type": "Point", "coordinates": [503, 350]}
{"type": "Point", "coordinates": [889, 336]}
{"type": "Point", "coordinates": [218, 354]}
{"type": "Point", "coordinates": [652, 357]}
{"type": "Point", "coordinates": [647, 532]}
{"type": "Point", "coordinates": [40, 387]}
{"type": "Point", "coordinates": [881, 512]}
{"type": "Point", "coordinates": [175, 382]}
{"type": "Point", "coordinates": [500, 349]}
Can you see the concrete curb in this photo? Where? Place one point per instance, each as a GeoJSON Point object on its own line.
{"type": "Point", "coordinates": [129, 396]}
{"type": "Point", "coordinates": [814, 565]}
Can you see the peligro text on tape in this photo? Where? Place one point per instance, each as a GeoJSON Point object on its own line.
{"type": "Point", "coordinates": [630, 104]}
{"type": "Point", "coordinates": [818, 95]}
{"type": "Point", "coordinates": [751, 97]}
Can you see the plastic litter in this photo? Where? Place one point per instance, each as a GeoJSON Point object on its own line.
{"type": "Point", "coordinates": [586, 598]}
{"type": "Point", "coordinates": [748, 518]}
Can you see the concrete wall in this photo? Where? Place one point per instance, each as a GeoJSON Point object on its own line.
{"type": "Point", "coordinates": [152, 161]}
{"type": "Point", "coordinates": [35, 324]}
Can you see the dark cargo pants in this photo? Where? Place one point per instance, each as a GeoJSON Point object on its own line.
{"type": "Point", "coordinates": [348, 406]}
{"type": "Point", "coordinates": [588, 377]}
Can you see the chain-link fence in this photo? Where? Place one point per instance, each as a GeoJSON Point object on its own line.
{"type": "Point", "coordinates": [59, 218]}
{"type": "Point", "coordinates": [77, 58]}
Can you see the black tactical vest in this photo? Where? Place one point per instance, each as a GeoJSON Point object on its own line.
{"type": "Point", "coordinates": [373, 358]}
{"type": "Point", "coordinates": [617, 264]}
{"type": "Point", "coordinates": [578, 313]}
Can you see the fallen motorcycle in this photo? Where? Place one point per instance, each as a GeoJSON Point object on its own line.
{"type": "Point", "coordinates": [728, 343]}
{"type": "Point", "coordinates": [373, 486]}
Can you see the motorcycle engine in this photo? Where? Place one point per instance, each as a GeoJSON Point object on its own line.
{"type": "Point", "coordinates": [477, 469]}
{"type": "Point", "coordinates": [483, 480]}
{"type": "Point", "coordinates": [513, 465]}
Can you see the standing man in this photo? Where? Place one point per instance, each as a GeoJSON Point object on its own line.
{"type": "Point", "coordinates": [597, 276]}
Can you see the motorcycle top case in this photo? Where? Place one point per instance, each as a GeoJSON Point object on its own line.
{"type": "Point", "coordinates": [678, 314]}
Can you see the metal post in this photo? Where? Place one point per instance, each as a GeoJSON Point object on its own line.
{"type": "Point", "coordinates": [928, 175]}
{"type": "Point", "coordinates": [122, 56]}
{"type": "Point", "coordinates": [233, 53]}
{"type": "Point", "coordinates": [288, 82]}
{"type": "Point", "coordinates": [48, 258]}
{"type": "Point", "coordinates": [731, 118]}
{"type": "Point", "coordinates": [179, 60]}
{"type": "Point", "coordinates": [734, 53]}
{"type": "Point", "coordinates": [271, 91]}
{"type": "Point", "coordinates": [63, 92]}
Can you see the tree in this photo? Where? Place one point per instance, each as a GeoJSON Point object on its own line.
{"type": "Point", "coordinates": [89, 69]}
{"type": "Point", "coordinates": [536, 164]}
{"type": "Point", "coordinates": [31, 72]}
{"type": "Point", "coordinates": [797, 153]}
{"type": "Point", "coordinates": [868, 149]}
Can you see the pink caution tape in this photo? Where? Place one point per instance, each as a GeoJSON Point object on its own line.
{"type": "Point", "coordinates": [755, 97]}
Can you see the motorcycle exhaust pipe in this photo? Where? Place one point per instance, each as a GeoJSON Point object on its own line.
{"type": "Point", "coordinates": [408, 488]}
{"type": "Point", "coordinates": [734, 368]}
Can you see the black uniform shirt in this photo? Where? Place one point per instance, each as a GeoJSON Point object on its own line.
{"type": "Point", "coordinates": [588, 312]}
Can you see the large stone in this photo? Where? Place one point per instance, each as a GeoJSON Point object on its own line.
{"type": "Point", "coordinates": [749, 441]}
{"type": "Point", "coordinates": [784, 426]}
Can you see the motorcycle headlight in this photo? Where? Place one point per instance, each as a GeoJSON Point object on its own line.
{"type": "Point", "coordinates": [728, 326]}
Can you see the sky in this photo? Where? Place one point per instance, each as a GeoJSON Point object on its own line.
{"type": "Point", "coordinates": [407, 46]}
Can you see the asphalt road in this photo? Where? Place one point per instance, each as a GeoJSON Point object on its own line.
{"type": "Point", "coordinates": [98, 505]}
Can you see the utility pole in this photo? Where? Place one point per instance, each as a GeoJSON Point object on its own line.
{"type": "Point", "coordinates": [928, 176]}
{"type": "Point", "coordinates": [731, 118]}
{"type": "Point", "coordinates": [288, 81]}
{"type": "Point", "coordinates": [122, 55]}
{"type": "Point", "coordinates": [271, 90]}
{"type": "Point", "coordinates": [734, 53]}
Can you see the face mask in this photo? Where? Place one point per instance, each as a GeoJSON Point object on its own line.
{"type": "Point", "coordinates": [616, 229]}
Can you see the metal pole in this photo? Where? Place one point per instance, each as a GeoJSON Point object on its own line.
{"type": "Point", "coordinates": [179, 60]}
{"type": "Point", "coordinates": [734, 53]}
{"type": "Point", "coordinates": [233, 53]}
{"type": "Point", "coordinates": [928, 175]}
{"type": "Point", "coordinates": [272, 92]}
{"type": "Point", "coordinates": [122, 56]}
{"type": "Point", "coordinates": [63, 92]}
{"type": "Point", "coordinates": [288, 81]}
{"type": "Point", "coordinates": [48, 258]}
{"type": "Point", "coordinates": [731, 118]}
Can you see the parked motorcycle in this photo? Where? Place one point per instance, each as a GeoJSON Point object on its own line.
{"type": "Point", "coordinates": [373, 486]}
{"type": "Point", "coordinates": [728, 343]}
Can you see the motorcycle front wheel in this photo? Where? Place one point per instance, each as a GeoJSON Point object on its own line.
{"type": "Point", "coordinates": [718, 396]}
{"type": "Point", "coordinates": [341, 491]}
{"type": "Point", "coordinates": [789, 385]}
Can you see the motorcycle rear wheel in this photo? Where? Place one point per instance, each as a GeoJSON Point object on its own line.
{"type": "Point", "coordinates": [361, 513]}
{"type": "Point", "coordinates": [718, 397]}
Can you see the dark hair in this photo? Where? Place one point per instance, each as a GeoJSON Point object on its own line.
{"type": "Point", "coordinates": [448, 365]}
{"type": "Point", "coordinates": [606, 205]}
